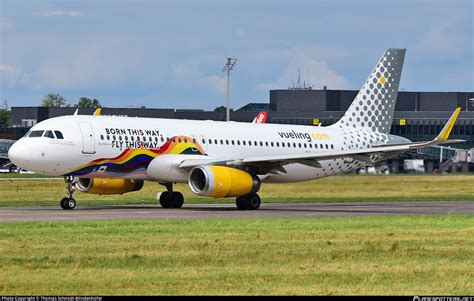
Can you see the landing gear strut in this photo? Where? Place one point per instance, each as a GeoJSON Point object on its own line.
{"type": "Point", "coordinates": [68, 203]}
{"type": "Point", "coordinates": [170, 198]}
{"type": "Point", "coordinates": [248, 202]}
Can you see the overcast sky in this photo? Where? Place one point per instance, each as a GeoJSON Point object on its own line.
{"type": "Point", "coordinates": [170, 54]}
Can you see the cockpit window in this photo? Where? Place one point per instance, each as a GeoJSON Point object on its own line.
{"type": "Point", "coordinates": [35, 134]}
{"type": "Point", "coordinates": [49, 134]}
{"type": "Point", "coordinates": [59, 135]}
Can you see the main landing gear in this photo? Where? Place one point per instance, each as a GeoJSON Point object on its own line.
{"type": "Point", "coordinates": [68, 203]}
{"type": "Point", "coordinates": [170, 198]}
{"type": "Point", "coordinates": [248, 202]}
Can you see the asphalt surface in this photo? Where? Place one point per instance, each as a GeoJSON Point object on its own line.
{"type": "Point", "coordinates": [230, 211]}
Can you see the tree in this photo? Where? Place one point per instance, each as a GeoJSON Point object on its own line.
{"type": "Point", "coordinates": [222, 109]}
{"type": "Point", "coordinates": [53, 100]}
{"type": "Point", "coordinates": [85, 102]}
{"type": "Point", "coordinates": [4, 118]}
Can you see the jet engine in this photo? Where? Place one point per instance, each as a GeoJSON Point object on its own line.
{"type": "Point", "coordinates": [108, 186]}
{"type": "Point", "coordinates": [222, 181]}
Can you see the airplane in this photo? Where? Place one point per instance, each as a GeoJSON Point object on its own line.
{"type": "Point", "coordinates": [114, 155]}
{"type": "Point", "coordinates": [260, 118]}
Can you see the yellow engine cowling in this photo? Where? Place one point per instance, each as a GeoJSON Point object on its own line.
{"type": "Point", "coordinates": [222, 181]}
{"type": "Point", "coordinates": [108, 186]}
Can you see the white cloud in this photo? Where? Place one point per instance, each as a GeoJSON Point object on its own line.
{"type": "Point", "coordinates": [315, 73]}
{"type": "Point", "coordinates": [13, 75]}
{"type": "Point", "coordinates": [191, 74]}
{"type": "Point", "coordinates": [57, 13]}
{"type": "Point", "coordinates": [6, 24]}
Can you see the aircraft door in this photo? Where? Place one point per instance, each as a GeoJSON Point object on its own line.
{"type": "Point", "coordinates": [88, 141]}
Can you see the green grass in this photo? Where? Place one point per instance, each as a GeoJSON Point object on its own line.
{"type": "Point", "coordinates": [423, 255]}
{"type": "Point", "coordinates": [344, 188]}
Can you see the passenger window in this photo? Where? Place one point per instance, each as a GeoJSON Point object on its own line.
{"type": "Point", "coordinates": [243, 142]}
{"type": "Point", "coordinates": [332, 146]}
{"type": "Point", "coordinates": [227, 142]}
{"type": "Point", "coordinates": [179, 140]}
{"type": "Point", "coordinates": [132, 138]}
{"type": "Point", "coordinates": [266, 143]}
{"type": "Point", "coordinates": [185, 140]}
{"type": "Point", "coordinates": [120, 137]}
{"type": "Point", "coordinates": [101, 137]}
{"type": "Point", "coordinates": [108, 137]}
{"type": "Point", "coordinates": [35, 134]}
{"type": "Point", "coordinates": [238, 142]}
{"type": "Point", "coordinates": [59, 135]}
{"type": "Point", "coordinates": [49, 134]}
{"type": "Point", "coordinates": [304, 145]}
{"type": "Point", "coordinates": [261, 143]}
{"type": "Point", "coordinates": [327, 146]}
{"type": "Point", "coordinates": [210, 141]}
{"type": "Point", "coordinates": [232, 141]}
{"type": "Point", "coordinates": [215, 141]}
{"type": "Point", "coordinates": [310, 145]}
{"type": "Point", "coordinates": [294, 145]}
{"type": "Point", "coordinates": [126, 138]}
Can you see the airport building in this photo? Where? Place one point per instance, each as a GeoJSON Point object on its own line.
{"type": "Point", "coordinates": [418, 116]}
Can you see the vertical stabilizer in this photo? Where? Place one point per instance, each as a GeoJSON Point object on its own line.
{"type": "Point", "coordinates": [372, 109]}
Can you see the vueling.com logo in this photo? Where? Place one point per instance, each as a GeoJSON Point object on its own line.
{"type": "Point", "coordinates": [307, 136]}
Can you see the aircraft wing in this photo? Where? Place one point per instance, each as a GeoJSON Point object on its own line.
{"type": "Point", "coordinates": [313, 158]}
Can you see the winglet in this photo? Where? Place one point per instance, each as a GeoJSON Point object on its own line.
{"type": "Point", "coordinates": [444, 134]}
{"type": "Point", "coordinates": [97, 111]}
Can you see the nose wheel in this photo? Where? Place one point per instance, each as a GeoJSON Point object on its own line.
{"type": "Point", "coordinates": [68, 203]}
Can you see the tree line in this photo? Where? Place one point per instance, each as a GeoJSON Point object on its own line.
{"type": "Point", "coordinates": [57, 100]}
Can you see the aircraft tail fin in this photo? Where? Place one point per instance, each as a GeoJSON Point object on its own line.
{"type": "Point", "coordinates": [373, 107]}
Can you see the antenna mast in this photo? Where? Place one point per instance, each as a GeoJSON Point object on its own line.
{"type": "Point", "coordinates": [228, 67]}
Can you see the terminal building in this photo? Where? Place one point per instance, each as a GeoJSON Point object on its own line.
{"type": "Point", "coordinates": [418, 116]}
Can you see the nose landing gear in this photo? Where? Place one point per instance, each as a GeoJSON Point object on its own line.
{"type": "Point", "coordinates": [68, 203]}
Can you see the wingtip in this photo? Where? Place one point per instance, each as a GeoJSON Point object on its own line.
{"type": "Point", "coordinates": [448, 127]}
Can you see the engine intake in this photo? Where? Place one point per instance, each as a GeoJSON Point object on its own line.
{"type": "Point", "coordinates": [222, 181]}
{"type": "Point", "coordinates": [108, 186]}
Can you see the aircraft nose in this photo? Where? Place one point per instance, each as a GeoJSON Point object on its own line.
{"type": "Point", "coordinates": [19, 154]}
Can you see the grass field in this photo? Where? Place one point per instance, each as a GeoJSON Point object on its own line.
{"type": "Point", "coordinates": [344, 188]}
{"type": "Point", "coordinates": [426, 255]}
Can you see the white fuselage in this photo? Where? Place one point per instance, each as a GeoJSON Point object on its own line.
{"type": "Point", "coordinates": [108, 146]}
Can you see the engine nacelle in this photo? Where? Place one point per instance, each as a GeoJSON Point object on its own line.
{"type": "Point", "coordinates": [165, 168]}
{"type": "Point", "coordinates": [222, 181]}
{"type": "Point", "coordinates": [108, 186]}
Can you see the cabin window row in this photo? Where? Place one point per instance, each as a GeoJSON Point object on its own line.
{"type": "Point", "coordinates": [221, 142]}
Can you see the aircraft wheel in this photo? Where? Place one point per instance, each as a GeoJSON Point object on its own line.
{"type": "Point", "coordinates": [63, 203]}
{"type": "Point", "coordinates": [164, 199]}
{"type": "Point", "coordinates": [176, 199]}
{"type": "Point", "coordinates": [241, 202]}
{"type": "Point", "coordinates": [253, 201]}
{"type": "Point", "coordinates": [248, 202]}
{"type": "Point", "coordinates": [68, 203]}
